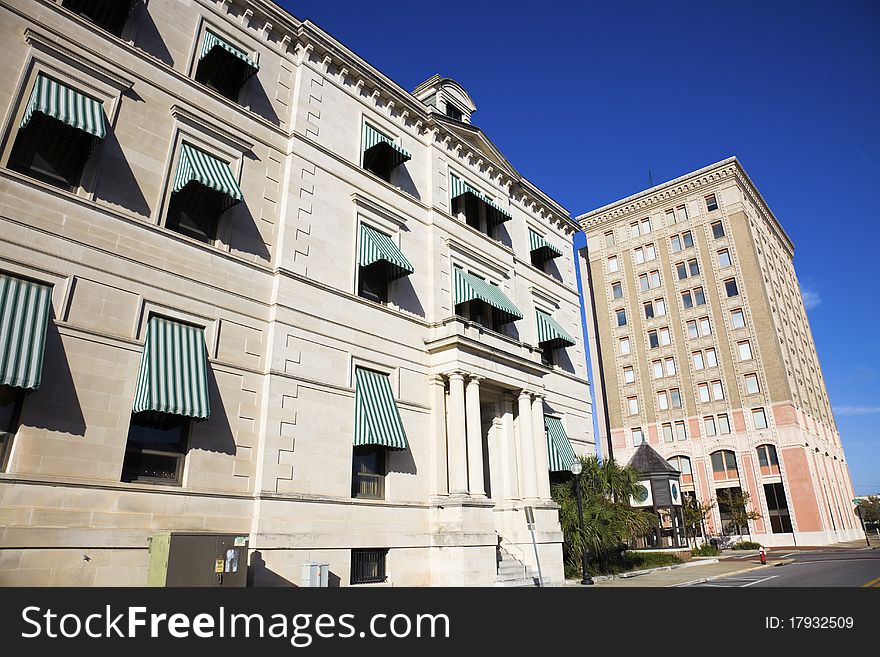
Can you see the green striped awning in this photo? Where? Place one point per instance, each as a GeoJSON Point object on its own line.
{"type": "Point", "coordinates": [550, 332]}
{"type": "Point", "coordinates": [67, 105]}
{"type": "Point", "coordinates": [213, 41]}
{"type": "Point", "coordinates": [469, 287]}
{"type": "Point", "coordinates": [546, 250]}
{"type": "Point", "coordinates": [559, 447]}
{"type": "Point", "coordinates": [376, 418]}
{"type": "Point", "coordinates": [374, 139]}
{"type": "Point", "coordinates": [197, 166]}
{"type": "Point", "coordinates": [24, 316]}
{"type": "Point", "coordinates": [494, 212]}
{"type": "Point", "coordinates": [376, 246]}
{"type": "Point", "coordinates": [174, 371]}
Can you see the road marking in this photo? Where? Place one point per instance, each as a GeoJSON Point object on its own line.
{"type": "Point", "coordinates": [875, 583]}
{"type": "Point", "coordinates": [787, 555]}
{"type": "Point", "coordinates": [759, 581]}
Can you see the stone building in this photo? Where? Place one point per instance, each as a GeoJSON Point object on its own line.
{"type": "Point", "coordinates": [705, 353]}
{"type": "Point", "coordinates": [250, 285]}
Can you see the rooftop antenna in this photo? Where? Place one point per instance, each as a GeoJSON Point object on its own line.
{"type": "Point", "coordinates": [650, 178]}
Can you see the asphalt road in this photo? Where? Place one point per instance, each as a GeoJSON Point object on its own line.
{"type": "Point", "coordinates": [848, 568]}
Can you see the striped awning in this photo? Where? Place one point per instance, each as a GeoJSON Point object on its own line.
{"type": "Point", "coordinates": [67, 105]}
{"type": "Point", "coordinates": [374, 139]}
{"type": "Point", "coordinates": [559, 447]}
{"type": "Point", "coordinates": [197, 166]}
{"type": "Point", "coordinates": [546, 250]}
{"type": "Point", "coordinates": [24, 316]}
{"type": "Point", "coordinates": [213, 41]}
{"type": "Point", "coordinates": [174, 371]}
{"type": "Point", "coordinates": [377, 420]}
{"type": "Point", "coordinates": [494, 212]}
{"type": "Point", "coordinates": [469, 287]}
{"type": "Point", "coordinates": [550, 332]}
{"type": "Point", "coordinates": [376, 246]}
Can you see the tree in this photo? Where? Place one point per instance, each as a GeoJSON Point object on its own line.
{"type": "Point", "coordinates": [734, 502]}
{"type": "Point", "coordinates": [695, 514]}
{"type": "Point", "coordinates": [609, 520]}
{"type": "Point", "coordinates": [870, 508]}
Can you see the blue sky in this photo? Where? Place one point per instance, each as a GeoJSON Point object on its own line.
{"type": "Point", "coordinates": [586, 98]}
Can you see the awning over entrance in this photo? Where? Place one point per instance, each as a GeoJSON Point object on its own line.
{"type": "Point", "coordinates": [558, 445]}
{"type": "Point", "coordinates": [550, 333]}
{"type": "Point", "coordinates": [376, 247]}
{"type": "Point", "coordinates": [213, 41]}
{"type": "Point", "coordinates": [376, 141]}
{"type": "Point", "coordinates": [173, 378]}
{"type": "Point", "coordinates": [495, 214]}
{"type": "Point", "coordinates": [197, 166]}
{"type": "Point", "coordinates": [542, 247]}
{"type": "Point", "coordinates": [376, 418]}
{"type": "Point", "coordinates": [24, 316]}
{"type": "Point", "coordinates": [469, 287]}
{"type": "Point", "coordinates": [67, 105]}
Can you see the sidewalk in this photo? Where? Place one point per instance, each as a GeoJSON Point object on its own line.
{"type": "Point", "coordinates": [678, 576]}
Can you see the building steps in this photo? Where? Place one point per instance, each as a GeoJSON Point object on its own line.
{"type": "Point", "coordinates": [512, 572]}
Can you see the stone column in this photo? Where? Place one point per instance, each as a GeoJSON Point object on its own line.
{"type": "Point", "coordinates": [509, 476]}
{"type": "Point", "coordinates": [440, 481]}
{"type": "Point", "coordinates": [474, 438]}
{"type": "Point", "coordinates": [456, 436]}
{"type": "Point", "coordinates": [542, 458]}
{"type": "Point", "coordinates": [527, 443]}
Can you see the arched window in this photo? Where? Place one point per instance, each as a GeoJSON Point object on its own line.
{"type": "Point", "coordinates": [724, 465]}
{"type": "Point", "coordinates": [768, 460]}
{"type": "Point", "coordinates": [683, 465]}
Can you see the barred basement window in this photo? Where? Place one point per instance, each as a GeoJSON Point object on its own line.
{"type": "Point", "coordinates": [368, 566]}
{"type": "Point", "coordinates": [109, 15]}
{"type": "Point", "coordinates": [368, 472]}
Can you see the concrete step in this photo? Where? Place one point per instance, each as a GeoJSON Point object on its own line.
{"type": "Point", "coordinates": [516, 583]}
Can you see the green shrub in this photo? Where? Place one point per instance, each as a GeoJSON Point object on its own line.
{"type": "Point", "coordinates": [706, 550]}
{"type": "Point", "coordinates": [615, 564]}
{"type": "Point", "coordinates": [746, 545]}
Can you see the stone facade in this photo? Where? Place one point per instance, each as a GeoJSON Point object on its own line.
{"type": "Point", "coordinates": [736, 319]}
{"type": "Point", "coordinates": [277, 295]}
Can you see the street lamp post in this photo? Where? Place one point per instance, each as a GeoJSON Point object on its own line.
{"type": "Point", "coordinates": [576, 469]}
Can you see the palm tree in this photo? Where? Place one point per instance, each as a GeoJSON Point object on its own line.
{"type": "Point", "coordinates": [609, 520]}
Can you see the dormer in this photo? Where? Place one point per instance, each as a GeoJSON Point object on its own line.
{"type": "Point", "coordinates": [447, 97]}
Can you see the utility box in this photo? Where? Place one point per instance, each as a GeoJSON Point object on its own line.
{"type": "Point", "coordinates": [315, 574]}
{"type": "Point", "coordinates": [198, 559]}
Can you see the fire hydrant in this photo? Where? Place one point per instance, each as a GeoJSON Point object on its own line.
{"type": "Point", "coordinates": [763, 556]}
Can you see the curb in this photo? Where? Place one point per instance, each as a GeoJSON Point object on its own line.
{"type": "Point", "coordinates": [731, 574]}
{"type": "Point", "coordinates": [648, 571]}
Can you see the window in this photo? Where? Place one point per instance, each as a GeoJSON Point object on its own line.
{"type": "Point", "coordinates": [727, 498]}
{"type": "Point", "coordinates": [686, 299]}
{"type": "Point", "coordinates": [689, 268]}
{"type": "Point", "coordinates": [737, 318]}
{"type": "Point", "coordinates": [11, 400]}
{"type": "Point", "coordinates": [675, 244]}
{"type": "Point", "coordinates": [653, 339]}
{"type": "Point", "coordinates": [629, 375]}
{"type": "Point", "coordinates": [659, 307]}
{"type": "Point", "coordinates": [709, 425]}
{"type": "Point", "coordinates": [667, 433]}
{"type": "Point", "coordinates": [731, 288]}
{"type": "Point", "coordinates": [657, 367]}
{"type": "Point", "coordinates": [711, 203]}
{"type": "Point", "coordinates": [670, 217]}
{"type": "Point", "coordinates": [683, 465]}
{"type": "Point", "coordinates": [612, 264]}
{"type": "Point", "coordinates": [373, 282]}
{"type": "Point", "coordinates": [693, 267]}
{"type": "Point", "coordinates": [156, 448]}
{"type": "Point", "coordinates": [777, 506]}
{"type": "Point", "coordinates": [687, 239]}
{"type": "Point", "coordinates": [681, 271]}
{"type": "Point", "coordinates": [723, 424]}
{"type": "Point", "coordinates": [698, 360]}
{"type": "Point", "coordinates": [617, 290]}
{"type": "Point", "coordinates": [768, 460]}
{"type": "Point", "coordinates": [680, 431]}
{"type": "Point", "coordinates": [649, 309]}
{"type": "Point", "coordinates": [705, 326]}
{"type": "Point", "coordinates": [699, 297]}
{"type": "Point", "coordinates": [382, 155]}
{"type": "Point", "coordinates": [368, 566]}
{"type": "Point", "coordinates": [724, 258]}
{"type": "Point", "coordinates": [632, 404]}
{"type": "Point", "coordinates": [711, 358]}
{"type": "Point", "coordinates": [670, 367]}
{"type": "Point", "coordinates": [717, 230]}
{"type": "Point", "coordinates": [745, 350]}
{"type": "Point", "coordinates": [368, 472]}
{"type": "Point", "coordinates": [224, 67]}
{"type": "Point", "coordinates": [724, 465]}
{"type": "Point", "coordinates": [109, 15]}
{"type": "Point", "coordinates": [621, 316]}
{"type": "Point", "coordinates": [717, 391]}
{"type": "Point", "coordinates": [703, 390]}
{"type": "Point", "coordinates": [453, 112]}
{"type": "Point", "coordinates": [634, 229]}
{"type": "Point", "coordinates": [637, 437]}
{"type": "Point", "coordinates": [624, 346]}
{"type": "Point", "coordinates": [655, 278]}
{"type": "Point", "coordinates": [759, 418]}
{"type": "Point", "coordinates": [646, 226]}
{"type": "Point", "coordinates": [609, 238]}
{"type": "Point", "coordinates": [650, 252]}
{"type": "Point", "coordinates": [681, 214]}
{"type": "Point", "coordinates": [665, 338]}
{"type": "Point", "coordinates": [693, 331]}
{"type": "Point", "coordinates": [663, 400]}
{"type": "Point", "coordinates": [752, 386]}
{"type": "Point", "coordinates": [675, 397]}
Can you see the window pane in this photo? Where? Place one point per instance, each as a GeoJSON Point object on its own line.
{"type": "Point", "coordinates": [634, 229]}
{"type": "Point", "coordinates": [717, 462]}
{"type": "Point", "coordinates": [686, 300]}
{"type": "Point", "coordinates": [660, 307]}
{"type": "Point", "coordinates": [612, 264]}
{"type": "Point", "coordinates": [752, 384]}
{"type": "Point", "coordinates": [711, 203]}
{"type": "Point", "coordinates": [723, 424]}
{"type": "Point", "coordinates": [675, 244]}
{"type": "Point", "coordinates": [646, 226]}
{"type": "Point", "coordinates": [738, 319]}
{"type": "Point", "coordinates": [617, 290]}
{"type": "Point", "coordinates": [637, 437]}
{"type": "Point", "coordinates": [633, 404]}
{"type": "Point", "coordinates": [670, 367]}
{"type": "Point", "coordinates": [663, 401]}
{"type": "Point", "coordinates": [711, 359]}
{"type": "Point", "coordinates": [704, 392]}
{"type": "Point", "coordinates": [658, 369]}
{"type": "Point", "coordinates": [762, 458]}
{"type": "Point", "coordinates": [624, 346]}
{"type": "Point", "coordinates": [667, 433]}
{"type": "Point", "coordinates": [680, 431]}
{"type": "Point", "coordinates": [681, 269]}
{"type": "Point", "coordinates": [724, 258]}
{"type": "Point", "coordinates": [681, 213]}
{"type": "Point", "coordinates": [639, 255]}
{"type": "Point", "coordinates": [692, 329]}
{"type": "Point", "coordinates": [650, 253]}
{"type": "Point", "coordinates": [694, 267]}
{"type": "Point", "coordinates": [675, 394]}
{"type": "Point", "coordinates": [655, 279]}
{"type": "Point", "coordinates": [759, 418]}
{"type": "Point", "coordinates": [621, 317]}
{"type": "Point", "coordinates": [653, 339]}
{"type": "Point", "coordinates": [664, 336]}
{"type": "Point", "coordinates": [687, 239]}
{"type": "Point", "coordinates": [717, 390]}
{"type": "Point", "coordinates": [705, 326]}
{"type": "Point", "coordinates": [717, 230]}
{"type": "Point", "coordinates": [731, 288]}
{"type": "Point", "coordinates": [699, 297]}
{"type": "Point", "coordinates": [609, 238]}
{"type": "Point", "coordinates": [643, 282]}
{"type": "Point", "coordinates": [629, 376]}
{"type": "Point", "coordinates": [709, 425]}
{"type": "Point", "coordinates": [698, 360]}
{"type": "Point", "coordinates": [649, 310]}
